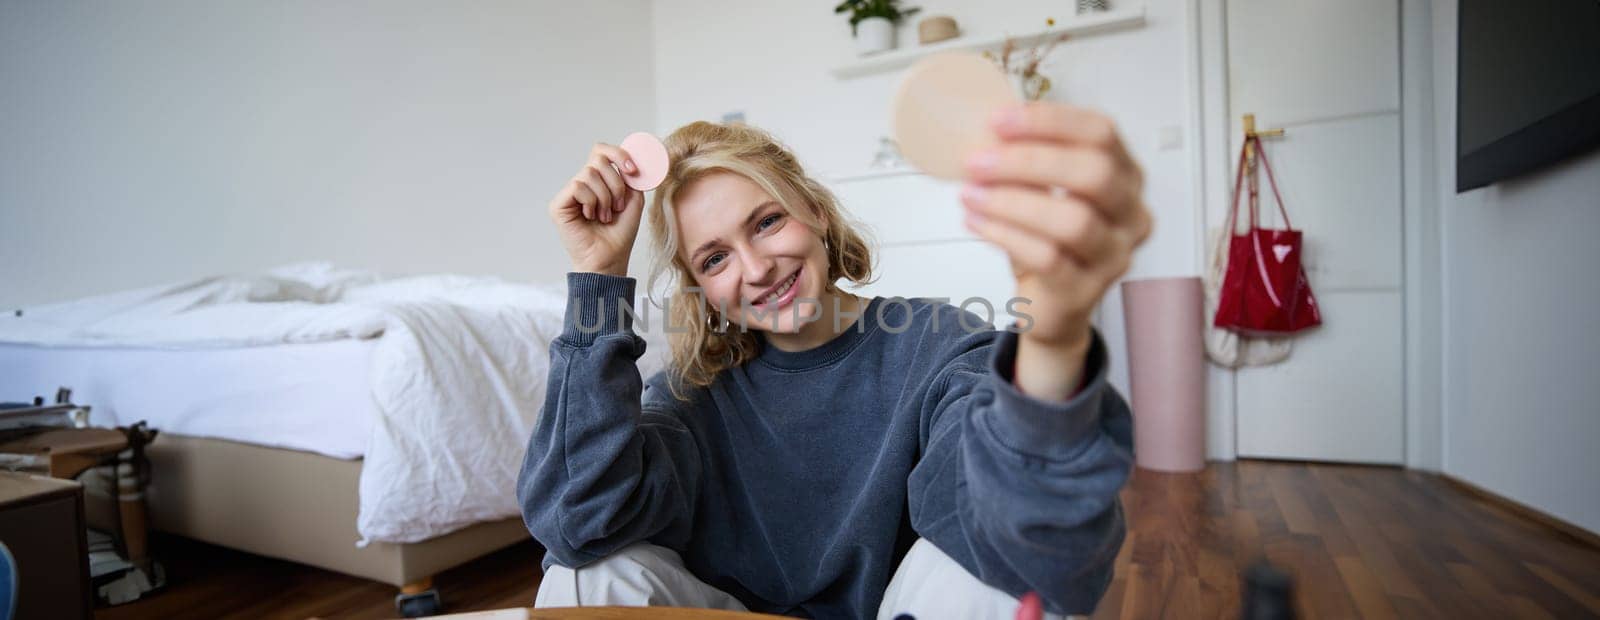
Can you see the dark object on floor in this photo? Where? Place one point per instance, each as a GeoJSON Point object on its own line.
{"type": "Point", "coordinates": [1268, 594]}
{"type": "Point", "coordinates": [418, 604]}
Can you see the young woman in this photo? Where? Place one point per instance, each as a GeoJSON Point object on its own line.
{"type": "Point", "coordinates": [808, 446]}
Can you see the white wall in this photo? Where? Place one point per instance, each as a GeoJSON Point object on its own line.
{"type": "Point", "coordinates": [1521, 334]}
{"type": "Point", "coordinates": [771, 60]}
{"type": "Point", "coordinates": [151, 141]}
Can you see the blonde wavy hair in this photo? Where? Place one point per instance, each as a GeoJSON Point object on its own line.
{"type": "Point", "coordinates": [698, 150]}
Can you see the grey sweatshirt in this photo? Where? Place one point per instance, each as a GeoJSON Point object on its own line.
{"type": "Point", "coordinates": [797, 481]}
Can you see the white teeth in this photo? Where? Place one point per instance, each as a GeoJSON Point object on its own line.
{"type": "Point", "coordinates": [782, 289]}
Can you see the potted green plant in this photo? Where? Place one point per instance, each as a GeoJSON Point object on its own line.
{"type": "Point", "coordinates": [872, 22]}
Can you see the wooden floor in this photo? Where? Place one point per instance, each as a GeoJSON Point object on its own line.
{"type": "Point", "coordinates": [1366, 542]}
{"type": "Point", "coordinates": [1360, 541]}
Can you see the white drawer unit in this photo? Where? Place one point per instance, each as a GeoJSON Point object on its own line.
{"type": "Point", "coordinates": [922, 248]}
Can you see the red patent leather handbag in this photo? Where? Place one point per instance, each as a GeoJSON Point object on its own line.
{"type": "Point", "coordinates": [1264, 288]}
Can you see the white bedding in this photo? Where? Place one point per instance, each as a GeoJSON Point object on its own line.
{"type": "Point", "coordinates": [312, 396]}
{"type": "Point", "coordinates": [456, 374]}
{"type": "Point", "coordinates": [296, 303]}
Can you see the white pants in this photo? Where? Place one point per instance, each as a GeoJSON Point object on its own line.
{"type": "Point", "coordinates": [928, 585]}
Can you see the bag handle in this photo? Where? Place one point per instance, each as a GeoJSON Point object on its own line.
{"type": "Point", "coordinates": [1262, 153]}
{"type": "Point", "coordinates": [1238, 184]}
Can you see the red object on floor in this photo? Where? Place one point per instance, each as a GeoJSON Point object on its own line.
{"type": "Point", "coordinates": [1031, 608]}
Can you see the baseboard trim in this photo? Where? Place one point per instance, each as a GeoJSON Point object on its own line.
{"type": "Point", "coordinates": [1569, 530]}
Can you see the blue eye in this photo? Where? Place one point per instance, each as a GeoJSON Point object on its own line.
{"type": "Point", "coordinates": [711, 261]}
{"type": "Point", "coordinates": [768, 221]}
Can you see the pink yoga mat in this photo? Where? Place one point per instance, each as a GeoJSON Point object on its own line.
{"type": "Point", "coordinates": [1165, 323]}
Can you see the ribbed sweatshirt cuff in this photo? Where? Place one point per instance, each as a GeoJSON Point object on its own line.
{"type": "Point", "coordinates": [1053, 430]}
{"type": "Point", "coordinates": [595, 305]}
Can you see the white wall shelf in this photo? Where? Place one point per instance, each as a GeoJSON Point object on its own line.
{"type": "Point", "coordinates": [1096, 23]}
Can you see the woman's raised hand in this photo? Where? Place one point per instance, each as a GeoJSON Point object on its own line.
{"type": "Point", "coordinates": [1061, 195]}
{"type": "Point", "coordinates": [597, 215]}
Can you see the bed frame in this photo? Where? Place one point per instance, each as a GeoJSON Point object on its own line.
{"type": "Point", "coordinates": [301, 507]}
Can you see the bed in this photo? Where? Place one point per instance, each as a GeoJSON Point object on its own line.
{"type": "Point", "coordinates": [368, 425]}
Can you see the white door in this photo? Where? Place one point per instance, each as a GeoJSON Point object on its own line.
{"type": "Point", "coordinates": [1329, 74]}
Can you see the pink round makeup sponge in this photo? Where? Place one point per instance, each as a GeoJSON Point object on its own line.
{"type": "Point", "coordinates": [649, 156]}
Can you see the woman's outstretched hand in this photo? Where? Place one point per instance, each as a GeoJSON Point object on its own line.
{"type": "Point", "coordinates": [1064, 200]}
{"type": "Point", "coordinates": [597, 215]}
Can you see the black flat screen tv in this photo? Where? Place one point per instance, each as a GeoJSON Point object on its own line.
{"type": "Point", "coordinates": [1527, 86]}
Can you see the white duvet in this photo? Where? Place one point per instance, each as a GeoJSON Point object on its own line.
{"type": "Point", "coordinates": [458, 376]}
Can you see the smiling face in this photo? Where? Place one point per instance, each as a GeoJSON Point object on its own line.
{"type": "Point", "coordinates": [760, 263]}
